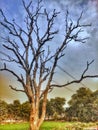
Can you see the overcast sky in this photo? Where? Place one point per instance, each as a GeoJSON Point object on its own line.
{"type": "Point", "coordinates": [76, 54]}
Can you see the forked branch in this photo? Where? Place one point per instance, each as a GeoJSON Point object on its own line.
{"type": "Point", "coordinates": [83, 76]}
{"type": "Point", "coordinates": [13, 73]}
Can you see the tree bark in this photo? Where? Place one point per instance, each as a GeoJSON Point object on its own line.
{"type": "Point", "coordinates": [35, 121]}
{"type": "Point", "coordinates": [34, 118]}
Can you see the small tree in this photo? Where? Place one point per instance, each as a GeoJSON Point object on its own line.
{"type": "Point", "coordinates": [36, 58]}
{"type": "Point", "coordinates": [57, 104]}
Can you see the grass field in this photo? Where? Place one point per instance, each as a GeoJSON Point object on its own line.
{"type": "Point", "coordinates": [48, 126]}
{"type": "Point", "coordinates": [21, 126]}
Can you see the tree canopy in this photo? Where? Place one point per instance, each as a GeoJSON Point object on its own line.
{"type": "Point", "coordinates": [83, 105]}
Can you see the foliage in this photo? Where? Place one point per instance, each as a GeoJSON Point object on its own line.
{"type": "Point", "coordinates": [55, 106]}
{"type": "Point", "coordinates": [49, 109]}
{"type": "Point", "coordinates": [83, 105]}
{"type": "Point", "coordinates": [3, 110]}
{"type": "Point", "coordinates": [14, 111]}
{"type": "Point", "coordinates": [25, 110]}
{"type": "Point", "coordinates": [18, 111]}
{"type": "Point", "coordinates": [58, 104]}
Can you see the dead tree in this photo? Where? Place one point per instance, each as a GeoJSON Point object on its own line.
{"type": "Point", "coordinates": [30, 50]}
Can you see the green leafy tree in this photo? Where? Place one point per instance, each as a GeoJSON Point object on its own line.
{"type": "Point", "coordinates": [10, 109]}
{"type": "Point", "coordinates": [83, 105]}
{"type": "Point", "coordinates": [3, 110]}
{"type": "Point", "coordinates": [54, 105]}
{"type": "Point", "coordinates": [16, 108]}
{"type": "Point", "coordinates": [25, 110]}
{"type": "Point", "coordinates": [94, 109]}
{"type": "Point", "coordinates": [49, 110]}
{"type": "Point", "coordinates": [81, 97]}
{"type": "Point", "coordinates": [58, 105]}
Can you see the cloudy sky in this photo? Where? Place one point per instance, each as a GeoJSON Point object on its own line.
{"type": "Point", "coordinates": [76, 54]}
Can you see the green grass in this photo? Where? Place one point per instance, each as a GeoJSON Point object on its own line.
{"type": "Point", "coordinates": [25, 126]}
{"type": "Point", "coordinates": [21, 126]}
{"type": "Point", "coordinates": [52, 125]}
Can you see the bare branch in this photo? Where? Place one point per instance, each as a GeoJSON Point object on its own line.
{"type": "Point", "coordinates": [8, 25]}
{"type": "Point", "coordinates": [17, 54]}
{"type": "Point", "coordinates": [83, 76]}
{"type": "Point", "coordinates": [27, 8]}
{"type": "Point", "coordinates": [87, 67]}
{"type": "Point", "coordinates": [10, 59]}
{"type": "Point", "coordinates": [15, 89]}
{"type": "Point", "coordinates": [49, 34]}
{"type": "Point", "coordinates": [13, 73]}
{"type": "Point", "coordinates": [73, 30]}
{"type": "Point", "coordinates": [20, 29]}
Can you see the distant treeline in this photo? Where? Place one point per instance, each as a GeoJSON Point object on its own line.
{"type": "Point", "coordinates": [83, 106]}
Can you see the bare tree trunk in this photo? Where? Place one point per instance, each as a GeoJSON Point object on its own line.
{"type": "Point", "coordinates": [34, 118]}
{"type": "Point", "coordinates": [43, 109]}
{"type": "Point", "coordinates": [35, 121]}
